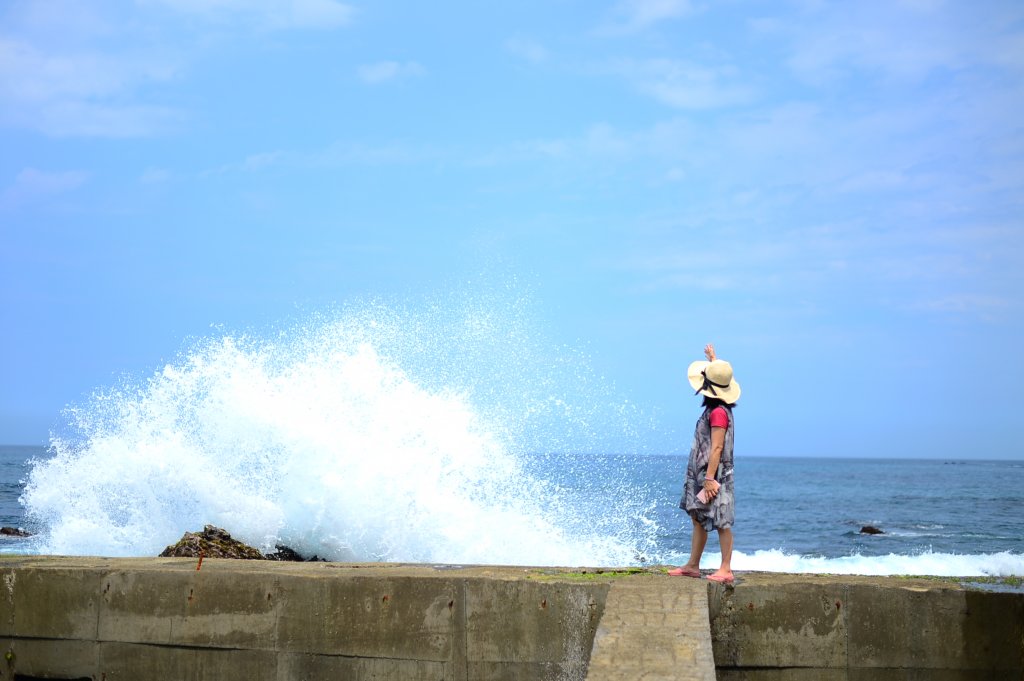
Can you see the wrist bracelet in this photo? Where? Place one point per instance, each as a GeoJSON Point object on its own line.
{"type": "Point", "coordinates": [709, 478]}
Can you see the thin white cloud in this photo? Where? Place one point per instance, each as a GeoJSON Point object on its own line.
{"type": "Point", "coordinates": [75, 19]}
{"type": "Point", "coordinates": [384, 71]}
{"type": "Point", "coordinates": [922, 5]}
{"type": "Point", "coordinates": [530, 50]}
{"type": "Point", "coordinates": [154, 175]}
{"type": "Point", "coordinates": [92, 70]}
{"type": "Point", "coordinates": [876, 180]}
{"type": "Point", "coordinates": [685, 85]}
{"type": "Point", "coordinates": [630, 16]}
{"type": "Point", "coordinates": [387, 153]}
{"type": "Point", "coordinates": [56, 79]}
{"type": "Point", "coordinates": [1008, 51]}
{"type": "Point", "coordinates": [105, 119]}
{"type": "Point", "coordinates": [599, 141]}
{"type": "Point", "coordinates": [31, 185]}
{"type": "Point", "coordinates": [255, 162]}
{"type": "Point", "coordinates": [252, 163]}
{"type": "Point", "coordinates": [960, 271]}
{"type": "Point", "coordinates": [986, 307]}
{"type": "Point", "coordinates": [337, 155]}
{"type": "Point", "coordinates": [967, 302]}
{"type": "Point", "coordinates": [904, 41]}
{"type": "Point", "coordinates": [268, 14]}
{"type": "Point", "coordinates": [31, 74]}
{"type": "Point", "coordinates": [317, 14]}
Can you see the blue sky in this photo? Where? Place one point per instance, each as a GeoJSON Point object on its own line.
{"type": "Point", "coordinates": [833, 193]}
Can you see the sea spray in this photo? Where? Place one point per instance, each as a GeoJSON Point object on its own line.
{"type": "Point", "coordinates": [1003, 563]}
{"type": "Point", "coordinates": [375, 432]}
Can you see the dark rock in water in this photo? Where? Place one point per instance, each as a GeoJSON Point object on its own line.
{"type": "Point", "coordinates": [290, 554]}
{"type": "Point", "coordinates": [14, 532]}
{"type": "Point", "coordinates": [212, 542]}
{"type": "Point", "coordinates": [284, 553]}
{"type": "Point", "coordinates": [870, 529]}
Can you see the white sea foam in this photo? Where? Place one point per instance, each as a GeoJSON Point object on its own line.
{"type": "Point", "coordinates": [1001, 564]}
{"type": "Point", "coordinates": [376, 434]}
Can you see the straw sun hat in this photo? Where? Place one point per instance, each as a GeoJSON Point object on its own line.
{"type": "Point", "coordinates": [714, 379]}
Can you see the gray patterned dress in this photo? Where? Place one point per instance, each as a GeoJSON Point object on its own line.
{"type": "Point", "coordinates": [721, 512]}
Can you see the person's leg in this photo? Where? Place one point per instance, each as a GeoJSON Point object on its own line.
{"type": "Point", "coordinates": [725, 539]}
{"type": "Point", "coordinates": [698, 539]}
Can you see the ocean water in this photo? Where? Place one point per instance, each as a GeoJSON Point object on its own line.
{"type": "Point", "coordinates": [451, 433]}
{"type": "Point", "coordinates": [597, 510]}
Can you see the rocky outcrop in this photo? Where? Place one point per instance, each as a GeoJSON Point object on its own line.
{"type": "Point", "coordinates": [214, 542]}
{"type": "Point", "coordinates": [870, 529]}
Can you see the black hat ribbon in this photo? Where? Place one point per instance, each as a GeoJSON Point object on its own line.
{"type": "Point", "coordinates": [709, 384]}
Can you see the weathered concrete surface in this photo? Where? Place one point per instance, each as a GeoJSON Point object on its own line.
{"type": "Point", "coordinates": [654, 628]}
{"type": "Point", "coordinates": [100, 618]}
{"type": "Point", "coordinates": [773, 627]}
{"type": "Point", "coordinates": [161, 618]}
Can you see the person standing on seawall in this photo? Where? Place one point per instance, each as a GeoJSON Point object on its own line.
{"type": "Point", "coordinates": [708, 491]}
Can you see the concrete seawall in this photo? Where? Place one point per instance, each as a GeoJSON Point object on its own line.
{"type": "Point", "coordinates": [160, 618]}
{"type": "Point", "coordinates": [832, 628]}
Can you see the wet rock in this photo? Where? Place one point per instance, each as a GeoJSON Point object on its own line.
{"type": "Point", "coordinates": [14, 532]}
{"type": "Point", "coordinates": [284, 553]}
{"type": "Point", "coordinates": [870, 529]}
{"type": "Point", "coordinates": [290, 554]}
{"type": "Point", "coordinates": [212, 542]}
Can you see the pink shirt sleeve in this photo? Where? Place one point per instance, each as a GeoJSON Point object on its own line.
{"type": "Point", "coordinates": [719, 418]}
